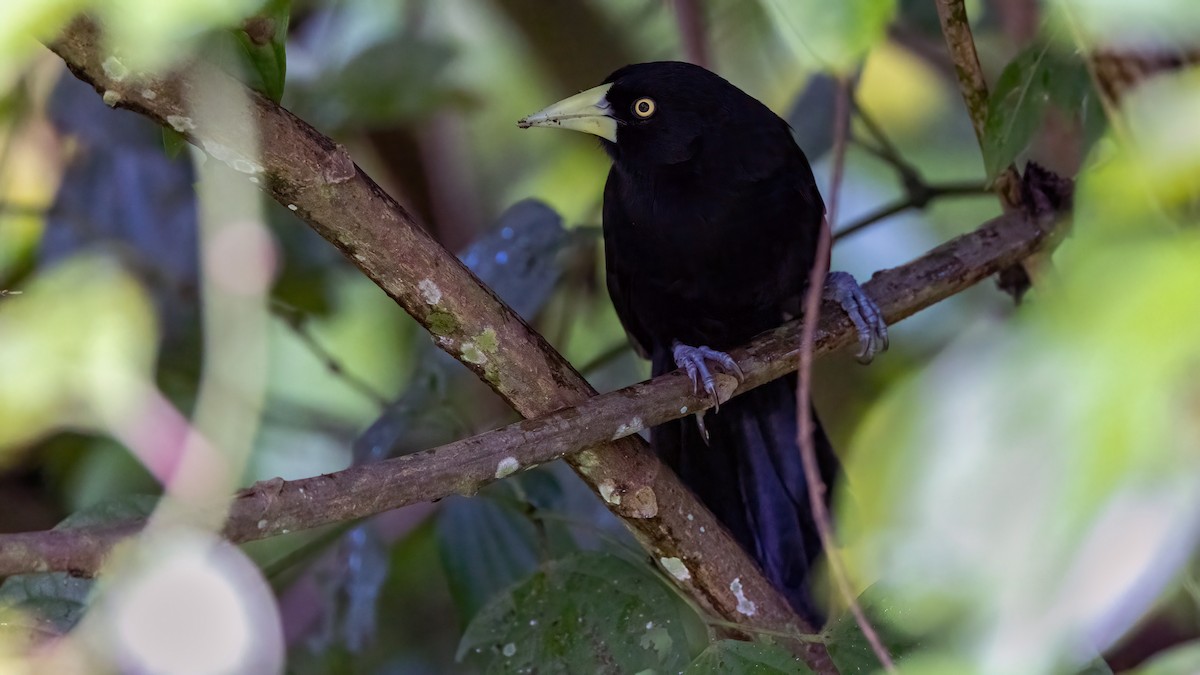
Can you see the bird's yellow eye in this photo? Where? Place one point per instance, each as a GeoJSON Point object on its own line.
{"type": "Point", "coordinates": [643, 107]}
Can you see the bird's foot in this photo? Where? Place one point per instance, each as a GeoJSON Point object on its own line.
{"type": "Point", "coordinates": [868, 320]}
{"type": "Point", "coordinates": [692, 360]}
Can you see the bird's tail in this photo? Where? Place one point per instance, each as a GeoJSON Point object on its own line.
{"type": "Point", "coordinates": [749, 473]}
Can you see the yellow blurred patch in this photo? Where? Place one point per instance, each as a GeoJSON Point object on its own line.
{"type": "Point", "coordinates": [79, 346]}
{"type": "Point", "coordinates": [899, 88]}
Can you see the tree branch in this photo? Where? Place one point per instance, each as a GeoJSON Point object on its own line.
{"type": "Point", "coordinates": [693, 34]}
{"type": "Point", "coordinates": [274, 507]}
{"type": "Point", "coordinates": [316, 179]}
{"type": "Point", "coordinates": [914, 200]}
{"type": "Point", "coordinates": [817, 489]}
{"type": "Point", "coordinates": [952, 14]}
{"type": "Point", "coordinates": [957, 30]}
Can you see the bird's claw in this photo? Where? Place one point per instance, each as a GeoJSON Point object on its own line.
{"type": "Point", "coordinates": [692, 360]}
{"type": "Point", "coordinates": [863, 312]}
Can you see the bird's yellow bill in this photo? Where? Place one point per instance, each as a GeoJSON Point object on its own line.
{"type": "Point", "coordinates": [588, 111]}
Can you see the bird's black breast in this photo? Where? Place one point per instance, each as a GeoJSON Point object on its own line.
{"type": "Point", "coordinates": [714, 251]}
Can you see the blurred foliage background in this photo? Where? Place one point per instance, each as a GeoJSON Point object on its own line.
{"type": "Point", "coordinates": [1024, 478]}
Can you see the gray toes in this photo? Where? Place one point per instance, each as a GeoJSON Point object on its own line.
{"type": "Point", "coordinates": [863, 312]}
{"type": "Point", "coordinates": [693, 360]}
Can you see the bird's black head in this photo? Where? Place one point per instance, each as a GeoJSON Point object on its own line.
{"type": "Point", "coordinates": [657, 114]}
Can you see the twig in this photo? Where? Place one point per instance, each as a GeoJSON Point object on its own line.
{"type": "Point", "coordinates": [887, 151]}
{"type": "Point", "coordinates": [957, 30]}
{"type": "Point", "coordinates": [952, 14]}
{"type": "Point", "coordinates": [918, 200]}
{"type": "Point", "coordinates": [971, 83]}
{"type": "Point", "coordinates": [298, 322]}
{"type": "Point", "coordinates": [918, 192]}
{"type": "Point", "coordinates": [317, 179]}
{"type": "Point", "coordinates": [808, 450]}
{"type": "Point", "coordinates": [273, 507]}
{"type": "Point", "coordinates": [689, 17]}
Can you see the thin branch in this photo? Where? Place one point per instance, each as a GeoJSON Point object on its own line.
{"type": "Point", "coordinates": [918, 192]}
{"type": "Point", "coordinates": [952, 14]}
{"type": "Point", "coordinates": [886, 150]}
{"type": "Point", "coordinates": [957, 30]}
{"type": "Point", "coordinates": [297, 321]}
{"type": "Point", "coordinates": [808, 449]}
{"type": "Point", "coordinates": [690, 20]}
{"type": "Point", "coordinates": [918, 200]}
{"type": "Point", "coordinates": [317, 179]}
{"type": "Point", "coordinates": [274, 507]}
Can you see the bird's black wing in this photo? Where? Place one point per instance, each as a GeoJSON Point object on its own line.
{"type": "Point", "coordinates": [621, 279]}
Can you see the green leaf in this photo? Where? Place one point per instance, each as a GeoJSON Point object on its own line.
{"type": "Point", "coordinates": [486, 547]}
{"type": "Point", "coordinates": [263, 39]}
{"type": "Point", "coordinates": [491, 541]}
{"type": "Point", "coordinates": [79, 350]}
{"type": "Point", "coordinates": [1183, 659]}
{"type": "Point", "coordinates": [111, 511]}
{"type": "Point", "coordinates": [837, 35]}
{"type": "Point", "coordinates": [173, 142]}
{"type": "Point", "coordinates": [1072, 90]}
{"type": "Point", "coordinates": [1015, 108]}
{"type": "Point", "coordinates": [53, 602]}
{"type": "Point", "coordinates": [50, 603]}
{"type": "Point", "coordinates": [587, 613]}
{"type": "Point", "coordinates": [1004, 480]}
{"type": "Point", "coordinates": [733, 657]}
{"type": "Point", "coordinates": [849, 648]}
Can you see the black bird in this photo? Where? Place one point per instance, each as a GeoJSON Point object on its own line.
{"type": "Point", "coordinates": [711, 218]}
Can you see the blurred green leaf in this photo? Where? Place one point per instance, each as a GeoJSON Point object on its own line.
{"type": "Point", "coordinates": [1072, 90]}
{"type": "Point", "coordinates": [79, 348]}
{"type": "Point", "coordinates": [588, 613]}
{"type": "Point", "coordinates": [734, 657]}
{"type": "Point", "coordinates": [491, 541]}
{"type": "Point", "coordinates": [50, 603]}
{"type": "Point", "coordinates": [812, 114]}
{"type": "Point", "coordinates": [1183, 659]}
{"type": "Point", "coordinates": [1016, 107]}
{"type": "Point", "coordinates": [1149, 178]}
{"type": "Point", "coordinates": [1048, 467]}
{"type": "Point", "coordinates": [263, 38]}
{"type": "Point", "coordinates": [1040, 76]}
{"type": "Point", "coordinates": [485, 546]}
{"type": "Point", "coordinates": [111, 511]}
{"type": "Point", "coordinates": [173, 142]}
{"type": "Point", "coordinates": [1152, 25]}
{"type": "Point", "coordinates": [344, 90]}
{"type": "Point", "coordinates": [151, 34]}
{"type": "Point", "coordinates": [836, 34]}
{"type": "Point", "coordinates": [849, 648]}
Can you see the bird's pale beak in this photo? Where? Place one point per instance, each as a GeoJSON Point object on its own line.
{"type": "Point", "coordinates": [587, 111]}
